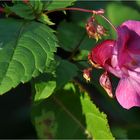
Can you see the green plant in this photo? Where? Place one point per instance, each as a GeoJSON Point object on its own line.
{"type": "Point", "coordinates": [29, 52]}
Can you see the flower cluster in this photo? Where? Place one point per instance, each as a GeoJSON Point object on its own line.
{"type": "Point", "coordinates": [121, 57]}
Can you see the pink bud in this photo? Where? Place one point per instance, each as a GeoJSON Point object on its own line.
{"type": "Point", "coordinates": [106, 83]}
{"type": "Point", "coordinates": [87, 74]}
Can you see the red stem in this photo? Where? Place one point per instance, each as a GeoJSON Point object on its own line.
{"type": "Point", "coordinates": [77, 9]}
{"type": "Point", "coordinates": [96, 12]}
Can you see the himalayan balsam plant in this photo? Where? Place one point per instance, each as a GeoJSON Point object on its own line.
{"type": "Point", "coordinates": [34, 49]}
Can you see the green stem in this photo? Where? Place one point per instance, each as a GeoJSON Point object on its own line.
{"type": "Point", "coordinates": [108, 22]}
{"type": "Point", "coordinates": [77, 47]}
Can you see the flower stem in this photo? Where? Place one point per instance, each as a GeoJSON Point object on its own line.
{"type": "Point", "coordinates": [76, 9]}
{"type": "Point", "coordinates": [108, 22]}
{"type": "Point", "coordinates": [99, 12]}
{"type": "Point", "coordinates": [77, 47]}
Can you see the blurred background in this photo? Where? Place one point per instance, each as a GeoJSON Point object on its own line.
{"type": "Point", "coordinates": [15, 106]}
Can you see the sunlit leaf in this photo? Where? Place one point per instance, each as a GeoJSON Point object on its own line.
{"type": "Point", "coordinates": [46, 84]}
{"type": "Point", "coordinates": [45, 19]}
{"type": "Point", "coordinates": [26, 50]}
{"type": "Point", "coordinates": [96, 121]}
{"type": "Point", "coordinates": [70, 114]}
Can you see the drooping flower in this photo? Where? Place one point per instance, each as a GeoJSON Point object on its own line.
{"type": "Point", "coordinates": [94, 29]}
{"type": "Point", "coordinates": [121, 57]}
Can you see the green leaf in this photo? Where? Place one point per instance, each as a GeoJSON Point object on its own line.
{"type": "Point", "coordinates": [70, 35]}
{"type": "Point", "coordinates": [83, 55]}
{"type": "Point", "coordinates": [22, 10]}
{"type": "Point", "coordinates": [29, 10]}
{"type": "Point", "coordinates": [45, 19]}
{"type": "Point", "coordinates": [96, 121]}
{"type": "Point", "coordinates": [65, 72]}
{"type": "Point", "coordinates": [69, 114]}
{"type": "Point", "coordinates": [120, 16]}
{"type": "Point", "coordinates": [87, 43]}
{"type": "Point", "coordinates": [60, 4]}
{"type": "Point", "coordinates": [37, 6]}
{"type": "Point", "coordinates": [44, 87]}
{"type": "Point", "coordinates": [46, 84]}
{"type": "Point", "coordinates": [46, 3]}
{"type": "Point", "coordinates": [138, 2]}
{"type": "Point", "coordinates": [26, 49]}
{"type": "Point", "coordinates": [51, 68]}
{"type": "Point", "coordinates": [120, 132]}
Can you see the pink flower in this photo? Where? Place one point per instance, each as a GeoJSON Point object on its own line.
{"type": "Point", "coordinates": [121, 57]}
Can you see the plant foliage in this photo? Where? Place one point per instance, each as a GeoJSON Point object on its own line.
{"type": "Point", "coordinates": [29, 52]}
{"type": "Point", "coordinates": [80, 119]}
{"type": "Point", "coordinates": [26, 49]}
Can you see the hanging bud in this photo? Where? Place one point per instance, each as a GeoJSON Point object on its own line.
{"type": "Point", "coordinates": [101, 30]}
{"type": "Point", "coordinates": [106, 84]}
{"type": "Point", "coordinates": [94, 29]}
{"type": "Point", "coordinates": [87, 74]}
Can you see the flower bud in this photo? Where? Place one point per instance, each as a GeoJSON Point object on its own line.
{"type": "Point", "coordinates": [106, 84]}
{"type": "Point", "coordinates": [94, 29]}
{"type": "Point", "coordinates": [87, 74]}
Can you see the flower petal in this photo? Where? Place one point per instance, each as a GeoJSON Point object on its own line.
{"type": "Point", "coordinates": [128, 41]}
{"type": "Point", "coordinates": [114, 70]}
{"type": "Point", "coordinates": [121, 48]}
{"type": "Point", "coordinates": [132, 25]}
{"type": "Point", "coordinates": [102, 52]}
{"type": "Point", "coordinates": [134, 75]}
{"type": "Point", "coordinates": [127, 93]}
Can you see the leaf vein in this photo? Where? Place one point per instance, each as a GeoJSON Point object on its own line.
{"type": "Point", "coordinates": [37, 42]}
{"type": "Point", "coordinates": [69, 113]}
{"type": "Point", "coordinates": [16, 42]}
